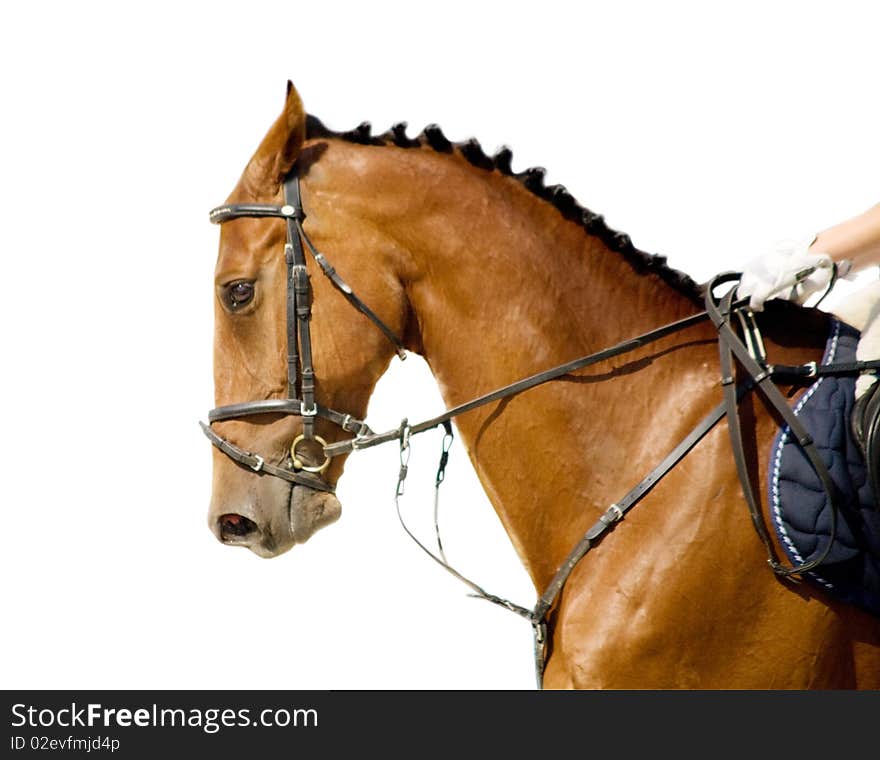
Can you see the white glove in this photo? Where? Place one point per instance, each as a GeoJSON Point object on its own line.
{"type": "Point", "coordinates": [784, 271]}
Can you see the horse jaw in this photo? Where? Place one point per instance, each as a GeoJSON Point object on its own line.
{"type": "Point", "coordinates": [310, 511]}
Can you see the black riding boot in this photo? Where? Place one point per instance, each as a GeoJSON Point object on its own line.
{"type": "Point", "coordinates": [866, 431]}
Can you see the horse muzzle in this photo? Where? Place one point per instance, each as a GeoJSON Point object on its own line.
{"type": "Point", "coordinates": [268, 525]}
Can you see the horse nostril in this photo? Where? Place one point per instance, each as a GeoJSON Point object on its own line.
{"type": "Point", "coordinates": [234, 526]}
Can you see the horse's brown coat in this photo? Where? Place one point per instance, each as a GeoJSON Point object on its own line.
{"type": "Point", "coordinates": [490, 284]}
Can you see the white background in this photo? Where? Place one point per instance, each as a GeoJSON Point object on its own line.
{"type": "Point", "coordinates": [704, 134]}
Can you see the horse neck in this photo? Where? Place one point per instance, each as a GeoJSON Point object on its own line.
{"type": "Point", "coordinates": [503, 286]}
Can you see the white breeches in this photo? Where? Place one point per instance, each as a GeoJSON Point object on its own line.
{"type": "Point", "coordinates": [861, 310]}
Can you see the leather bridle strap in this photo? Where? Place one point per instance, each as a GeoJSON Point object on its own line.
{"type": "Point", "coordinates": [299, 311]}
{"type": "Point", "coordinates": [258, 464]}
{"type": "Point", "coordinates": [300, 370]}
{"type": "Point", "coordinates": [331, 274]}
{"type": "Point", "coordinates": [292, 212]}
{"type": "Point", "coordinates": [289, 407]}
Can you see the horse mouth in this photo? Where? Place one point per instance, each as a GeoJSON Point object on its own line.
{"type": "Point", "coordinates": [236, 528]}
{"type": "Point", "coordinates": [269, 531]}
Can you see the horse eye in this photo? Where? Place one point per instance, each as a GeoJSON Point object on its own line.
{"type": "Point", "coordinates": [238, 294]}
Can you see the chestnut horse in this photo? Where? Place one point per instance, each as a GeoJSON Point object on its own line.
{"type": "Point", "coordinates": [492, 277]}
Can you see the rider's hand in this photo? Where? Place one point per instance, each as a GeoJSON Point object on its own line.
{"type": "Point", "coordinates": [783, 271]}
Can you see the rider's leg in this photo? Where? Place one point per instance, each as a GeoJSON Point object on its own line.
{"type": "Point", "coordinates": [862, 310]}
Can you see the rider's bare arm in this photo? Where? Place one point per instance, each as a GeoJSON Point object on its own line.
{"type": "Point", "coordinates": [856, 239]}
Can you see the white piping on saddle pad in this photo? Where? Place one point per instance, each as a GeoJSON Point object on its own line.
{"type": "Point", "coordinates": [777, 459]}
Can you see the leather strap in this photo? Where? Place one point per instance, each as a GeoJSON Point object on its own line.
{"type": "Point", "coordinates": [237, 210]}
{"type": "Point", "coordinates": [300, 370]}
{"type": "Point", "coordinates": [612, 515]}
{"type": "Point", "coordinates": [759, 377]}
{"type": "Point", "coordinates": [299, 310]}
{"type": "Point", "coordinates": [259, 465]}
{"type": "Point", "coordinates": [343, 287]}
{"type": "Point", "coordinates": [293, 212]}
{"type": "Point", "coordinates": [375, 439]}
{"type": "Point", "coordinates": [290, 406]}
{"type": "Point", "coordinates": [813, 369]}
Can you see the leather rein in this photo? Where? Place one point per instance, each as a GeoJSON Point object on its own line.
{"type": "Point", "coordinates": [756, 374]}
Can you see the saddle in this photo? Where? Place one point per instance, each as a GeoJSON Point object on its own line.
{"type": "Point", "coordinates": [800, 504]}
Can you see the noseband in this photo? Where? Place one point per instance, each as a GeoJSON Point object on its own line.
{"type": "Point", "coordinates": [300, 399]}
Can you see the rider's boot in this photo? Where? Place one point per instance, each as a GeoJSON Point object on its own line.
{"type": "Point", "coordinates": [866, 430]}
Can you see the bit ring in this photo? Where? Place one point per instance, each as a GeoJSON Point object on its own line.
{"type": "Point", "coordinates": [298, 463]}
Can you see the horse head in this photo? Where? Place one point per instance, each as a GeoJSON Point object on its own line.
{"type": "Point", "coordinates": [249, 507]}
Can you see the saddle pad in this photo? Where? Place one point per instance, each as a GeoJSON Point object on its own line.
{"type": "Point", "coordinates": [800, 508]}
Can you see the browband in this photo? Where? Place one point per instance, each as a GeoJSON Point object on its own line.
{"type": "Point", "coordinates": [235, 210]}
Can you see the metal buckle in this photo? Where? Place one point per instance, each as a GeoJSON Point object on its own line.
{"type": "Point", "coordinates": [612, 515]}
{"type": "Point", "coordinates": [812, 369]}
{"type": "Point", "coordinates": [308, 412]}
{"type": "Point", "coordinates": [359, 431]}
{"type": "Point", "coordinates": [259, 464]}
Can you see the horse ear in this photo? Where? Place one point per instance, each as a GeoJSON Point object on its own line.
{"type": "Point", "coordinates": [280, 147]}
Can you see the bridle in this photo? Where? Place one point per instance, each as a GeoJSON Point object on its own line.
{"type": "Point", "coordinates": [300, 371]}
{"type": "Point", "coordinates": [757, 375]}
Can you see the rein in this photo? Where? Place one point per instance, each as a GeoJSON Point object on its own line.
{"type": "Point", "coordinates": [748, 355]}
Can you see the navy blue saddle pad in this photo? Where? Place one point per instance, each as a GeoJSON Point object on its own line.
{"type": "Point", "coordinates": [801, 512]}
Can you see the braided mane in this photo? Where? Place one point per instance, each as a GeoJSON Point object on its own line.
{"type": "Point", "coordinates": [532, 179]}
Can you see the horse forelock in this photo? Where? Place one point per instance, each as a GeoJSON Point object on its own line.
{"type": "Point", "coordinates": [532, 179]}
